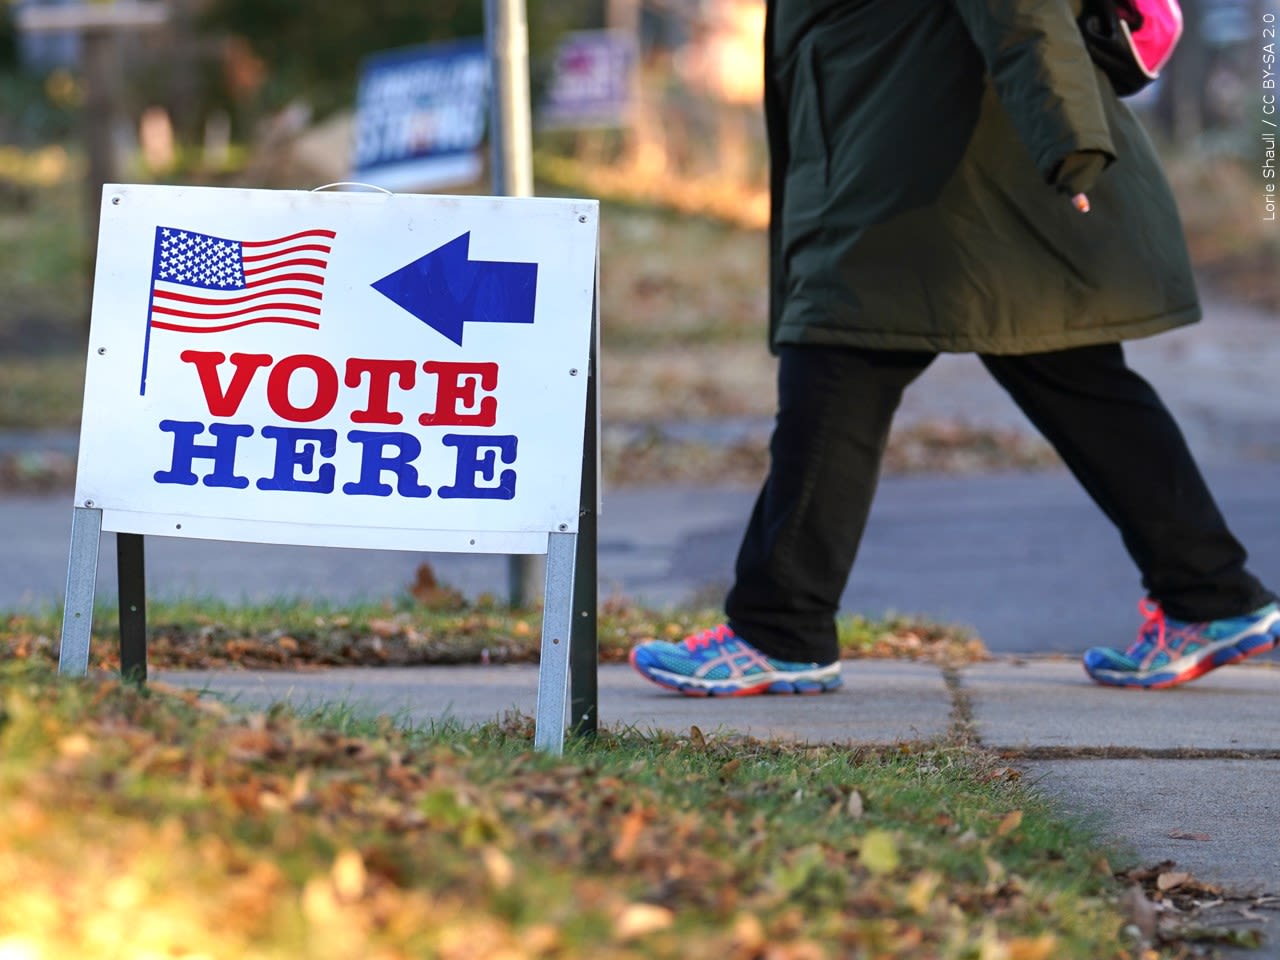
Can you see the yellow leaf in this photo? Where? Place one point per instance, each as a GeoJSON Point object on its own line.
{"type": "Point", "coordinates": [75, 746]}
{"type": "Point", "coordinates": [349, 875]}
{"type": "Point", "coordinates": [272, 802]}
{"type": "Point", "coordinates": [1038, 948]}
{"type": "Point", "coordinates": [641, 919]}
{"type": "Point", "coordinates": [748, 933]}
{"type": "Point", "coordinates": [995, 871]}
{"type": "Point", "coordinates": [300, 788]}
{"type": "Point", "coordinates": [879, 853]}
{"type": "Point", "coordinates": [498, 866]}
{"type": "Point", "coordinates": [921, 890]}
{"type": "Point", "coordinates": [1012, 820]}
{"type": "Point", "coordinates": [539, 939]}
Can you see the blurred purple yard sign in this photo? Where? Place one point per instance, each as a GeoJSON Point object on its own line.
{"type": "Point", "coordinates": [591, 81]}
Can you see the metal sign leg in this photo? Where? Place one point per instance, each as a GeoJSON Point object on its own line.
{"type": "Point", "coordinates": [584, 664]}
{"type": "Point", "coordinates": [82, 580]}
{"type": "Point", "coordinates": [132, 584]}
{"type": "Point", "coordinates": [557, 628]}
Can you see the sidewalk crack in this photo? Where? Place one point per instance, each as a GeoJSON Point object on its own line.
{"type": "Point", "coordinates": [962, 730]}
{"type": "Point", "coordinates": [1132, 753]}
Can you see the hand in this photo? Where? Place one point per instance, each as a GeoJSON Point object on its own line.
{"type": "Point", "coordinates": [1080, 202]}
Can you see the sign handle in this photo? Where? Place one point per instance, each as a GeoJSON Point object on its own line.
{"type": "Point", "coordinates": [82, 580]}
{"type": "Point", "coordinates": [352, 183]}
{"type": "Point", "coordinates": [557, 630]}
{"type": "Point", "coordinates": [132, 591]}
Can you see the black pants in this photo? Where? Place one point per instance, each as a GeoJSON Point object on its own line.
{"type": "Point", "coordinates": [1107, 423]}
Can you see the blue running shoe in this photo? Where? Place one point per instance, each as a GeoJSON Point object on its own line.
{"type": "Point", "coordinates": [1169, 652]}
{"type": "Point", "coordinates": [719, 663]}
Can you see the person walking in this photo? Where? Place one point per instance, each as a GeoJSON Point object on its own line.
{"type": "Point", "coordinates": [958, 176]}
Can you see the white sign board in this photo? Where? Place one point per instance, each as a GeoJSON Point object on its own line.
{"type": "Point", "coordinates": [339, 369]}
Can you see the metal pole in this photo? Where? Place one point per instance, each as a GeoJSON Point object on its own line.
{"type": "Point", "coordinates": [511, 134]}
{"type": "Point", "coordinates": [99, 58]}
{"type": "Point", "coordinates": [511, 140]}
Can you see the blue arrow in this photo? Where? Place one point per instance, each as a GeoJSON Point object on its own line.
{"type": "Point", "coordinates": [446, 289]}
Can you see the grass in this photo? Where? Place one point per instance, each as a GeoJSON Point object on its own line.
{"type": "Point", "coordinates": [45, 283]}
{"type": "Point", "coordinates": [443, 630]}
{"type": "Point", "coordinates": [43, 392]}
{"type": "Point", "coordinates": [150, 823]}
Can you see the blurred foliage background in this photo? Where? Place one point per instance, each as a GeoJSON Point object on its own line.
{"type": "Point", "coordinates": [260, 93]}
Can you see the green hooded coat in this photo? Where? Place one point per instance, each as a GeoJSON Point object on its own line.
{"type": "Point", "coordinates": [915, 146]}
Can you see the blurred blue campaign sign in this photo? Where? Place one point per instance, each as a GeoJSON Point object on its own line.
{"type": "Point", "coordinates": [420, 116]}
{"type": "Point", "coordinates": [591, 81]}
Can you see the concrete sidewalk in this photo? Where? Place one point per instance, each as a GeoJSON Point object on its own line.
{"type": "Point", "coordinates": [1188, 775]}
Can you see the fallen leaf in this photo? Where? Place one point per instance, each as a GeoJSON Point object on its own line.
{"type": "Point", "coordinates": [250, 744]}
{"type": "Point", "coordinates": [641, 919]}
{"type": "Point", "coordinates": [429, 592]}
{"type": "Point", "coordinates": [996, 872]}
{"type": "Point", "coordinates": [74, 746]}
{"type": "Point", "coordinates": [748, 933]}
{"type": "Point", "coordinates": [697, 738]}
{"type": "Point", "coordinates": [854, 806]}
{"type": "Point", "coordinates": [385, 629]}
{"type": "Point", "coordinates": [498, 866]}
{"type": "Point", "coordinates": [1167, 881]}
{"type": "Point", "coordinates": [319, 905]}
{"type": "Point", "coordinates": [349, 875]}
{"type": "Point", "coordinates": [1185, 835]}
{"type": "Point", "coordinates": [632, 826]}
{"type": "Point", "coordinates": [1039, 948]}
{"type": "Point", "coordinates": [921, 890]}
{"type": "Point", "coordinates": [1012, 820]}
{"type": "Point", "coordinates": [879, 852]}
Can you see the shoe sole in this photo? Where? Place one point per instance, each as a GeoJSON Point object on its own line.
{"type": "Point", "coordinates": [765, 684]}
{"type": "Point", "coordinates": [1210, 658]}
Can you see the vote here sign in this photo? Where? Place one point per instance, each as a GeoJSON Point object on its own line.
{"type": "Point", "coordinates": [339, 369]}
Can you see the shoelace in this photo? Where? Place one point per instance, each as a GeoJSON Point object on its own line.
{"type": "Point", "coordinates": [700, 641]}
{"type": "Point", "coordinates": [1153, 621]}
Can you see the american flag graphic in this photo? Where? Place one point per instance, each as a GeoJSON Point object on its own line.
{"type": "Point", "coordinates": [206, 284]}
